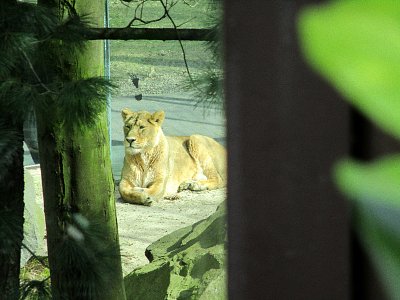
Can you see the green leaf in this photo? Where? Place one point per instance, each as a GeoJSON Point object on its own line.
{"type": "Point", "coordinates": [383, 246]}
{"type": "Point", "coordinates": [375, 189]}
{"type": "Point", "coordinates": [377, 181]}
{"type": "Point", "coordinates": [356, 46]}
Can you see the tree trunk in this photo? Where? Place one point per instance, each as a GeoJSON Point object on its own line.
{"type": "Point", "coordinates": [78, 188]}
{"type": "Point", "coordinates": [11, 198]}
{"type": "Point", "coordinates": [11, 217]}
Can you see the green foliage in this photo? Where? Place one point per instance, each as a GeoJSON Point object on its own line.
{"type": "Point", "coordinates": [35, 290]}
{"type": "Point", "coordinates": [22, 27]}
{"type": "Point", "coordinates": [377, 181]}
{"type": "Point", "coordinates": [376, 190]}
{"type": "Point", "coordinates": [355, 45]}
{"type": "Point", "coordinates": [9, 143]}
{"type": "Point", "coordinates": [16, 97]}
{"type": "Point", "coordinates": [382, 242]}
{"type": "Point", "coordinates": [27, 18]}
{"type": "Point", "coordinates": [84, 247]}
{"type": "Point", "coordinates": [73, 30]}
{"type": "Point", "coordinates": [11, 49]}
{"type": "Point", "coordinates": [29, 75]}
{"type": "Point", "coordinates": [81, 101]}
{"type": "Point", "coordinates": [10, 233]}
{"type": "Point", "coordinates": [207, 87]}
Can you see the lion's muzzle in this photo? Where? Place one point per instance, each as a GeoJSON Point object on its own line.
{"type": "Point", "coordinates": [130, 141]}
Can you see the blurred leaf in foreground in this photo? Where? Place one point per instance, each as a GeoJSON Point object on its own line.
{"type": "Point", "coordinates": [375, 181]}
{"type": "Point", "coordinates": [355, 44]}
{"type": "Point", "coordinates": [383, 246]}
{"type": "Point", "coordinates": [375, 188]}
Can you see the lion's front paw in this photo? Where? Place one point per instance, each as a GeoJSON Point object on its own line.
{"type": "Point", "coordinates": [192, 186]}
{"type": "Point", "coordinates": [142, 196]}
{"type": "Point", "coordinates": [147, 201]}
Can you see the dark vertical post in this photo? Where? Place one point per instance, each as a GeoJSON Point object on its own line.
{"type": "Point", "coordinates": [288, 227]}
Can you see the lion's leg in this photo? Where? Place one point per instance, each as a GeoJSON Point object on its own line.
{"type": "Point", "coordinates": [156, 189]}
{"type": "Point", "coordinates": [207, 177]}
{"type": "Point", "coordinates": [213, 181]}
{"type": "Point", "coordinates": [134, 195]}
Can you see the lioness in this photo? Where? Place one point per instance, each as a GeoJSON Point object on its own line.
{"type": "Point", "coordinates": [156, 165]}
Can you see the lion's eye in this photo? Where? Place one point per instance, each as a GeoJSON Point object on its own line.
{"type": "Point", "coordinates": [141, 127]}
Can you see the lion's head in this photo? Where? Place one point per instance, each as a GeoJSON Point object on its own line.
{"type": "Point", "coordinates": [141, 130]}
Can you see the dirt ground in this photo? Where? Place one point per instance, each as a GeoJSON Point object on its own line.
{"type": "Point", "coordinates": [139, 226]}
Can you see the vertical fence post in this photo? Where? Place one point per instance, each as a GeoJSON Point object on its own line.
{"type": "Point", "coordinates": [107, 71]}
{"type": "Point", "coordinates": [289, 232]}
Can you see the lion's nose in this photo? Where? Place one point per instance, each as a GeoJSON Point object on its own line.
{"type": "Point", "coordinates": [130, 140]}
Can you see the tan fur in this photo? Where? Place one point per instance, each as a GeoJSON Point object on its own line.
{"type": "Point", "coordinates": [156, 165]}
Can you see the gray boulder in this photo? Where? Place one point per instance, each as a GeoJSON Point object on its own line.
{"type": "Point", "coordinates": [186, 264]}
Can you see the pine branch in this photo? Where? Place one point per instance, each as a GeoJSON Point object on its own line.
{"type": "Point", "coordinates": [81, 101]}
{"type": "Point", "coordinates": [36, 289]}
{"type": "Point", "coordinates": [34, 72]}
{"type": "Point", "coordinates": [70, 7]}
{"type": "Point", "coordinates": [82, 248]}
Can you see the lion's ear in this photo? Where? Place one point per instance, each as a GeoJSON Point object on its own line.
{"type": "Point", "coordinates": [157, 118]}
{"type": "Point", "coordinates": [125, 112]}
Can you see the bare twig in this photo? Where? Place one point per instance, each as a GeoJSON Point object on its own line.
{"type": "Point", "coordinates": [140, 19]}
{"type": "Point", "coordinates": [191, 5]}
{"type": "Point", "coordinates": [141, 5]}
{"type": "Point", "coordinates": [167, 5]}
{"type": "Point", "coordinates": [143, 21]}
{"type": "Point", "coordinates": [180, 25]}
{"type": "Point", "coordinates": [166, 10]}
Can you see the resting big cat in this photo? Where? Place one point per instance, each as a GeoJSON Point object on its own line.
{"type": "Point", "coordinates": [156, 165]}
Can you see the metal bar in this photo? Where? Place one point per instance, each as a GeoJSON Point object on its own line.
{"type": "Point", "coordinates": [107, 71]}
{"type": "Point", "coordinates": [163, 34]}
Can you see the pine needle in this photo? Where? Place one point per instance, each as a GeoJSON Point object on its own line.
{"type": "Point", "coordinates": [82, 101]}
